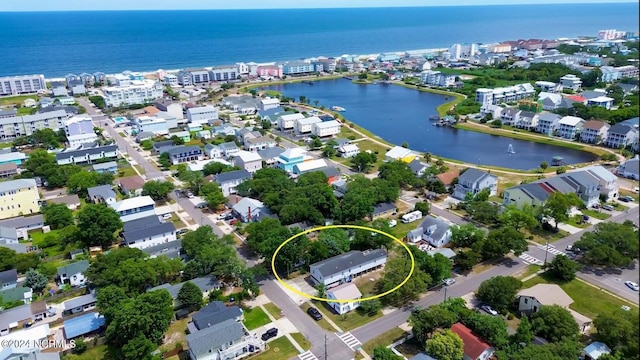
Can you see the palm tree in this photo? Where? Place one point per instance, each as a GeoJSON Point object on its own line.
{"type": "Point", "coordinates": [427, 157]}
{"type": "Point", "coordinates": [316, 102]}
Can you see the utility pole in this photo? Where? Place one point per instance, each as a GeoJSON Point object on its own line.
{"type": "Point", "coordinates": [546, 252]}
{"type": "Point", "coordinates": [445, 292]}
{"type": "Point", "coordinates": [325, 348]}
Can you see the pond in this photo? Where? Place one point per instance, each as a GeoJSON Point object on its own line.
{"type": "Point", "coordinates": [398, 114]}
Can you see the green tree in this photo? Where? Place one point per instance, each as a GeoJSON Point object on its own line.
{"type": "Point", "coordinates": [620, 330]}
{"type": "Point", "coordinates": [445, 345]}
{"type": "Point", "coordinates": [610, 245]}
{"type": "Point", "coordinates": [423, 207]}
{"type": "Point", "coordinates": [519, 217]}
{"type": "Point", "coordinates": [336, 241]}
{"type": "Point", "coordinates": [384, 353]}
{"type": "Point", "coordinates": [36, 281]}
{"type": "Point", "coordinates": [164, 160]}
{"type": "Point", "coordinates": [395, 271]}
{"type": "Point", "coordinates": [544, 165]}
{"type": "Point", "coordinates": [79, 182]}
{"type": "Point", "coordinates": [158, 190]}
{"type": "Point", "coordinates": [563, 268]}
{"type": "Point", "coordinates": [466, 260]}
{"type": "Point", "coordinates": [316, 143]}
{"type": "Point", "coordinates": [212, 194]}
{"type": "Point", "coordinates": [483, 211]}
{"type": "Point", "coordinates": [362, 161]}
{"type": "Point", "coordinates": [177, 140]}
{"type": "Point", "coordinates": [109, 299]}
{"type": "Point", "coordinates": [466, 235]}
{"type": "Point", "coordinates": [558, 205]}
{"type": "Point", "coordinates": [329, 151]}
{"type": "Point", "coordinates": [425, 321]}
{"type": "Point", "coordinates": [499, 292]}
{"type": "Point", "coordinates": [501, 241]}
{"type": "Point", "coordinates": [190, 296]}
{"type": "Point", "coordinates": [214, 168]}
{"type": "Point", "coordinates": [97, 225]}
{"type": "Point", "coordinates": [397, 172]}
{"type": "Point", "coordinates": [554, 323]}
{"type": "Point", "coordinates": [524, 334]}
{"type": "Point", "coordinates": [138, 348]}
{"type": "Point", "coordinates": [57, 216]}
{"type": "Point", "coordinates": [370, 307]}
{"type": "Point", "coordinates": [491, 328]}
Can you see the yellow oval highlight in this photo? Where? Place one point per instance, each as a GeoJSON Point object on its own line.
{"type": "Point", "coordinates": [301, 293]}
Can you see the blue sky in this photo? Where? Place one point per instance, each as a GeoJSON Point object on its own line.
{"type": "Point", "coordinates": [65, 5]}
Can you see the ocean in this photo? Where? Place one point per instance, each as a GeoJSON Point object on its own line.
{"type": "Point", "coordinates": [57, 43]}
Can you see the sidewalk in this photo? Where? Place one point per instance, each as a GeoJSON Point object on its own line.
{"type": "Point", "coordinates": [282, 324]}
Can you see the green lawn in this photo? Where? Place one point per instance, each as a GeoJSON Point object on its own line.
{"type": "Point", "coordinates": [254, 318]}
{"type": "Point", "coordinates": [102, 352]}
{"type": "Point", "coordinates": [16, 100]}
{"type": "Point", "coordinates": [273, 310]}
{"type": "Point", "coordinates": [323, 323]}
{"type": "Point", "coordinates": [587, 299]}
{"type": "Point", "coordinates": [576, 221]}
{"type": "Point", "coordinates": [38, 239]}
{"type": "Point", "coordinates": [348, 321]}
{"type": "Point", "coordinates": [596, 214]}
{"type": "Point", "coordinates": [531, 269]}
{"type": "Point", "coordinates": [301, 340]}
{"type": "Point", "coordinates": [176, 334]}
{"type": "Point", "coordinates": [541, 236]}
{"type": "Point", "coordinates": [278, 349]}
{"type": "Point", "coordinates": [385, 339]}
{"type": "Point", "coordinates": [124, 171]}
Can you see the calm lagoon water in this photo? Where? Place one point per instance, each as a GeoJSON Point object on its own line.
{"type": "Point", "coordinates": [399, 114]}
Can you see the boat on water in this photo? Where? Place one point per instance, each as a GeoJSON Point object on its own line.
{"type": "Point", "coordinates": [338, 108]}
{"type": "Point", "coordinates": [510, 149]}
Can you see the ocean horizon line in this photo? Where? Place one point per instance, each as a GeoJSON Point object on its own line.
{"type": "Point", "coordinates": [596, 2]}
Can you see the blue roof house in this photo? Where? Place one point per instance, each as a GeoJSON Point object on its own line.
{"type": "Point", "coordinates": [82, 325]}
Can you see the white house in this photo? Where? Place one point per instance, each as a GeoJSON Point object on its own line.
{"type": "Point", "coordinates": [569, 127]}
{"type": "Point", "coordinates": [288, 121]}
{"type": "Point", "coordinates": [547, 123]}
{"type": "Point", "coordinates": [594, 131]}
{"type": "Point", "coordinates": [269, 103]}
{"type": "Point", "coordinates": [343, 268]}
{"type": "Point", "coordinates": [571, 81]}
{"type": "Point", "coordinates": [229, 180]}
{"type": "Point", "coordinates": [619, 136]}
{"type": "Point", "coordinates": [473, 181]}
{"type": "Point", "coordinates": [201, 115]}
{"type": "Point", "coordinates": [304, 126]}
{"type": "Point", "coordinates": [326, 128]}
{"type": "Point", "coordinates": [607, 181]}
{"type": "Point", "coordinates": [550, 101]}
{"type": "Point", "coordinates": [432, 230]}
{"type": "Point", "coordinates": [603, 101]}
{"type": "Point", "coordinates": [399, 153]}
{"type": "Point", "coordinates": [73, 273]}
{"type": "Point", "coordinates": [134, 208]}
{"type": "Point", "coordinates": [348, 150]}
{"type": "Point", "coordinates": [224, 340]}
{"type": "Point", "coordinates": [247, 160]}
{"type": "Point", "coordinates": [347, 291]}
{"type": "Point", "coordinates": [156, 125]}
{"type": "Point", "coordinates": [629, 169]}
{"type": "Point", "coordinates": [148, 231]}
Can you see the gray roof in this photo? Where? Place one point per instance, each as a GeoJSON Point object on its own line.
{"type": "Point", "coordinates": [18, 248]}
{"type": "Point", "coordinates": [214, 337]}
{"type": "Point", "coordinates": [105, 165]}
{"type": "Point", "coordinates": [472, 175]}
{"type": "Point", "coordinates": [80, 301]}
{"type": "Point", "coordinates": [347, 260]}
{"type": "Point", "coordinates": [215, 312]}
{"type": "Point", "coordinates": [383, 207]}
{"type": "Point", "coordinates": [171, 246]}
{"type": "Point", "coordinates": [270, 153]}
{"type": "Point", "coordinates": [205, 283]}
{"type": "Point", "coordinates": [8, 233]}
{"type": "Point", "coordinates": [35, 117]}
{"type": "Point", "coordinates": [74, 268]}
{"type": "Point", "coordinates": [22, 222]}
{"type": "Point", "coordinates": [7, 113]}
{"type": "Point", "coordinates": [184, 149]}
{"type": "Point", "coordinates": [15, 314]}
{"type": "Point", "coordinates": [228, 146]}
{"type": "Point", "coordinates": [329, 171]}
{"type": "Point", "coordinates": [9, 276]}
{"type": "Point", "coordinates": [157, 146]}
{"type": "Point", "coordinates": [551, 117]}
{"type": "Point", "coordinates": [72, 199]}
{"type": "Point", "coordinates": [433, 227]}
{"type": "Point", "coordinates": [101, 192]}
{"type": "Point", "coordinates": [67, 153]}
{"type": "Point", "coordinates": [231, 176]}
{"type": "Point", "coordinates": [145, 227]}
{"type": "Point", "coordinates": [590, 94]}
{"type": "Point", "coordinates": [620, 129]}
{"type": "Point", "coordinates": [416, 165]}
{"type": "Point", "coordinates": [17, 184]}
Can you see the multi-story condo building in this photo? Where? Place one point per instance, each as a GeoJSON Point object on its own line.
{"type": "Point", "coordinates": [462, 51]}
{"type": "Point", "coordinates": [183, 154]}
{"type": "Point", "coordinates": [269, 71]}
{"type": "Point", "coordinates": [79, 130]}
{"type": "Point", "coordinates": [611, 34]}
{"type": "Point", "coordinates": [223, 73]}
{"type": "Point", "coordinates": [25, 84]}
{"type": "Point", "coordinates": [134, 208]}
{"type": "Point", "coordinates": [202, 114]}
{"type": "Point", "coordinates": [297, 68]}
{"type": "Point", "coordinates": [86, 154]}
{"type": "Point", "coordinates": [171, 80]}
{"type": "Point", "coordinates": [620, 136]}
{"type": "Point", "coordinates": [594, 131]}
{"type": "Point", "coordinates": [184, 78]}
{"type": "Point", "coordinates": [136, 92]}
{"type": "Point", "coordinates": [571, 81]}
{"type": "Point", "coordinates": [198, 76]}
{"type": "Point", "coordinates": [611, 74]}
{"type": "Point", "coordinates": [18, 197]}
{"type": "Point", "coordinates": [547, 123]}
{"type": "Point", "coordinates": [436, 78]}
{"type": "Point", "coordinates": [100, 78]}
{"type": "Point", "coordinates": [153, 124]}
{"type": "Point", "coordinates": [505, 94]}
{"type": "Point", "coordinates": [569, 127]}
{"type": "Point", "coordinates": [172, 108]}
{"type": "Point", "coordinates": [326, 128]}
{"type": "Point", "coordinates": [17, 126]}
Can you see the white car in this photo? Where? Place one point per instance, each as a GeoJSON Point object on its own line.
{"type": "Point", "coordinates": [489, 310]}
{"type": "Point", "coordinates": [166, 216]}
{"type": "Point", "coordinates": [448, 282]}
{"type": "Point", "coordinates": [393, 223]}
{"type": "Point", "coordinates": [631, 285]}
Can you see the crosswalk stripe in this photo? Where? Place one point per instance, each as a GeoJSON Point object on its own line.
{"type": "Point", "coordinates": [308, 355]}
{"type": "Point", "coordinates": [351, 341]}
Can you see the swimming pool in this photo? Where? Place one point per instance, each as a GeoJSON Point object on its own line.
{"type": "Point", "coordinates": [119, 120]}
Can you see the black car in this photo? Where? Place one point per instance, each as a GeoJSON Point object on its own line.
{"type": "Point", "coordinates": [273, 332]}
{"type": "Point", "coordinates": [315, 314]}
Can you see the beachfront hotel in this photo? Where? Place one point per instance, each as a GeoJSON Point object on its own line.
{"type": "Point", "coordinates": [23, 84]}
{"type": "Point", "coordinates": [505, 94]}
{"type": "Point", "coordinates": [135, 92]}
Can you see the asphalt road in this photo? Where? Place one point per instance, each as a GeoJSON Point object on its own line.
{"type": "Point", "coordinates": [336, 349]}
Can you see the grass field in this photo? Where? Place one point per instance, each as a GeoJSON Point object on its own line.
{"type": "Point", "coordinates": [385, 339]}
{"type": "Point", "coordinates": [278, 349]}
{"type": "Point", "coordinates": [322, 322]}
{"type": "Point", "coordinates": [301, 340]}
{"type": "Point", "coordinates": [596, 214]}
{"type": "Point", "coordinates": [254, 318]}
{"type": "Point", "coordinates": [587, 299]}
{"type": "Point", "coordinates": [16, 100]}
{"type": "Point", "coordinates": [273, 310]}
{"type": "Point", "coordinates": [102, 352]}
{"type": "Point", "coordinates": [347, 321]}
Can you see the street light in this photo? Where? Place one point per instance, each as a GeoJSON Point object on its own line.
{"type": "Point", "coordinates": [546, 252]}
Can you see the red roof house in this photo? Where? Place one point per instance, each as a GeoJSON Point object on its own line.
{"type": "Point", "coordinates": [474, 347]}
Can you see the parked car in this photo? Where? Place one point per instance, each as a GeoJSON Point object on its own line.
{"type": "Point", "coordinates": [315, 314]}
{"type": "Point", "coordinates": [273, 332]}
{"type": "Point", "coordinates": [489, 310]}
{"type": "Point", "coordinates": [585, 218]}
{"type": "Point", "coordinates": [449, 281]}
{"type": "Point", "coordinates": [626, 198]}
{"type": "Point", "coordinates": [631, 285]}
{"type": "Point", "coordinates": [625, 308]}
{"type": "Point", "coordinates": [393, 223]}
{"type": "Point", "coordinates": [608, 207]}
{"type": "Point", "coordinates": [595, 206]}
{"type": "Point", "coordinates": [166, 216]}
